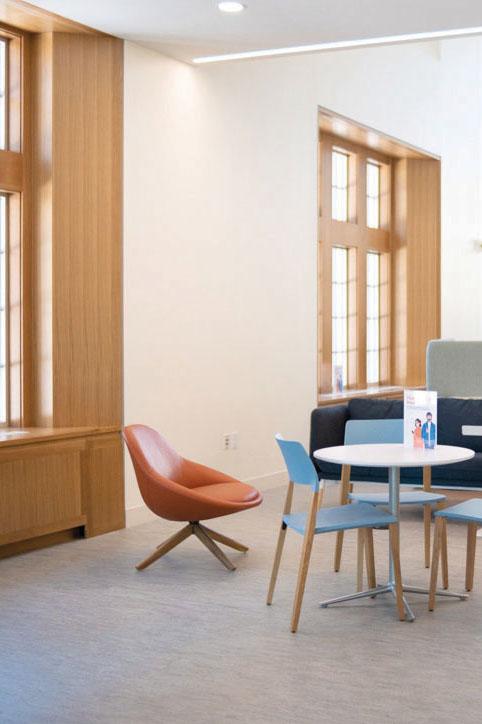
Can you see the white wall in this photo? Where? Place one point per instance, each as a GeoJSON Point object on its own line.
{"type": "Point", "coordinates": [220, 229]}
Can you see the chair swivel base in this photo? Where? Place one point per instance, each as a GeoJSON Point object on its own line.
{"type": "Point", "coordinates": [207, 538]}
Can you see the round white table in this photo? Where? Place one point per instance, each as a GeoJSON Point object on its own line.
{"type": "Point", "coordinates": [393, 457]}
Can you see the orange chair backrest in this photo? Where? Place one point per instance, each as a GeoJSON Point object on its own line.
{"type": "Point", "coordinates": [158, 470]}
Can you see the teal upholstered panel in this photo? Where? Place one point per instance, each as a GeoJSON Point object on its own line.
{"type": "Point", "coordinates": [454, 369]}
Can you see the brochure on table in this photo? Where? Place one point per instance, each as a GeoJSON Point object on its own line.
{"type": "Point", "coordinates": [420, 419]}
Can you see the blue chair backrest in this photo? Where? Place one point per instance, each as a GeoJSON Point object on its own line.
{"type": "Point", "coordinates": [300, 468]}
{"type": "Point", "coordinates": [364, 432]}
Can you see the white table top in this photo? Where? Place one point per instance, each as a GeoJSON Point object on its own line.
{"type": "Point", "coordinates": [393, 455]}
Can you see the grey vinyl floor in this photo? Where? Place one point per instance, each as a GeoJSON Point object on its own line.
{"type": "Point", "coordinates": [85, 638]}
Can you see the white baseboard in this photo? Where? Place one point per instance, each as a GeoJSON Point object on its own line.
{"type": "Point", "coordinates": [268, 481]}
{"type": "Point", "coordinates": [139, 514]}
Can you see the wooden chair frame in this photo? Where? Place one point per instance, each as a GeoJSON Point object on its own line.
{"type": "Point", "coordinates": [207, 538]}
{"type": "Point", "coordinates": [440, 551]}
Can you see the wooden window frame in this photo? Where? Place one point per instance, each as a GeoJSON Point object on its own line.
{"type": "Point", "coordinates": [13, 162]}
{"type": "Point", "coordinates": [359, 239]}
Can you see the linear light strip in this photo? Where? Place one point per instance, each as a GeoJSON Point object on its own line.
{"type": "Point", "coordinates": [340, 45]}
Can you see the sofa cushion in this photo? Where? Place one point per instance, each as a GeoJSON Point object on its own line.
{"type": "Point", "coordinates": [452, 413]}
{"type": "Point", "coordinates": [365, 408]}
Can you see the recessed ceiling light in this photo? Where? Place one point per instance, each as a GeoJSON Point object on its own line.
{"type": "Point", "coordinates": [231, 7]}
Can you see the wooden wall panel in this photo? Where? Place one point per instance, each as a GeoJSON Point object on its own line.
{"type": "Point", "coordinates": [423, 237]}
{"type": "Point", "coordinates": [415, 266]}
{"type": "Point", "coordinates": [77, 232]}
{"type": "Point", "coordinates": [87, 227]}
{"type": "Point", "coordinates": [29, 17]}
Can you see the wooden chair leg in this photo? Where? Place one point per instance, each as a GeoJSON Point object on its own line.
{"type": "Point", "coordinates": [471, 544]}
{"type": "Point", "coordinates": [280, 544]}
{"type": "Point", "coordinates": [344, 490]}
{"type": "Point", "coordinates": [395, 550]}
{"type": "Point", "coordinates": [224, 539]}
{"type": "Point", "coordinates": [321, 493]}
{"type": "Point", "coordinates": [437, 544]}
{"type": "Point", "coordinates": [305, 562]}
{"type": "Point", "coordinates": [360, 558]}
{"type": "Point", "coordinates": [211, 546]}
{"type": "Point", "coordinates": [338, 549]}
{"type": "Point", "coordinates": [370, 558]}
{"type": "Point", "coordinates": [444, 556]}
{"type": "Point", "coordinates": [276, 563]}
{"type": "Point", "coordinates": [167, 546]}
{"type": "Point", "coordinates": [427, 520]}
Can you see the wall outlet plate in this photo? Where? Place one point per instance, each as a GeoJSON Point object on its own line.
{"type": "Point", "coordinates": [230, 441]}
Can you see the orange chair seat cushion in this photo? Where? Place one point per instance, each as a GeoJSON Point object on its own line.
{"type": "Point", "coordinates": [234, 493]}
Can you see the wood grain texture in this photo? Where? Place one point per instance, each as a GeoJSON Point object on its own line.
{"type": "Point", "coordinates": [280, 544]}
{"type": "Point", "coordinates": [87, 223]}
{"type": "Point", "coordinates": [39, 492]}
{"type": "Point", "coordinates": [40, 541]}
{"type": "Point", "coordinates": [305, 561]}
{"type": "Point", "coordinates": [37, 20]}
{"type": "Point", "coordinates": [68, 359]}
{"type": "Point", "coordinates": [103, 484]}
{"type": "Point", "coordinates": [394, 536]}
{"type": "Point", "coordinates": [437, 542]}
{"type": "Point", "coordinates": [38, 359]}
{"type": "Point", "coordinates": [11, 171]}
{"type": "Point", "coordinates": [415, 267]}
{"type": "Point", "coordinates": [371, 138]}
{"type": "Point", "coordinates": [76, 370]}
{"type": "Point", "coordinates": [28, 435]}
{"type": "Point", "coordinates": [471, 547]}
{"type": "Point", "coordinates": [344, 492]}
{"type": "Point", "coordinates": [423, 263]}
{"type": "Point", "coordinates": [52, 480]}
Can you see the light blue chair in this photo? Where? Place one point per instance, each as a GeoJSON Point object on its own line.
{"type": "Point", "coordinates": [364, 432]}
{"type": "Point", "coordinates": [326, 520]}
{"type": "Point", "coordinates": [470, 512]}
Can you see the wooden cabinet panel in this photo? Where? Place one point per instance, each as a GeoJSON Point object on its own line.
{"type": "Point", "coordinates": [103, 484]}
{"type": "Point", "coordinates": [59, 480]}
{"type": "Point", "coordinates": [40, 493]}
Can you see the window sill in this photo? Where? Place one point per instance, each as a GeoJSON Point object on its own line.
{"type": "Point", "coordinates": [334, 398]}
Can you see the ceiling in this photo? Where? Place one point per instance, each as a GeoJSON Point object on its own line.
{"type": "Point", "coordinates": [186, 29]}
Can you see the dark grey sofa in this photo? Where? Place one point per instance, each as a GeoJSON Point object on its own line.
{"type": "Point", "coordinates": [328, 428]}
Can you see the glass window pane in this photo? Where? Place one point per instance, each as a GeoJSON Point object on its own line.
{"type": "Point", "coordinates": [373, 195]}
{"type": "Point", "coordinates": [3, 83]}
{"type": "Point", "coordinates": [339, 185]}
{"type": "Point", "coordinates": [339, 311]}
{"type": "Point", "coordinates": [373, 318]}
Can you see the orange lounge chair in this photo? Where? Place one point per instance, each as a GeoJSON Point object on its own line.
{"type": "Point", "coordinates": [178, 489]}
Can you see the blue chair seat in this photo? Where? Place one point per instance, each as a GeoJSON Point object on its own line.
{"type": "Point", "coordinates": [415, 497]}
{"type": "Point", "coordinates": [469, 511]}
{"type": "Point", "coordinates": [341, 517]}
